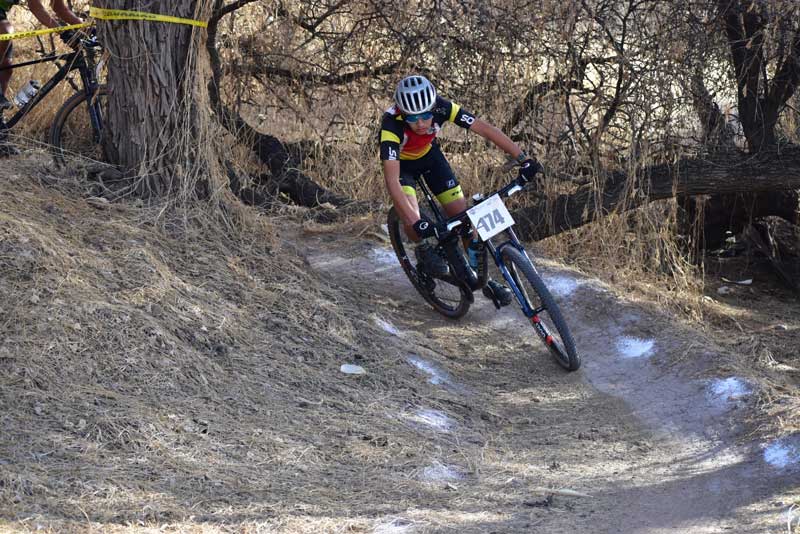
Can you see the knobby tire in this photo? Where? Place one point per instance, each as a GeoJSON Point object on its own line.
{"type": "Point", "coordinates": [452, 311]}
{"type": "Point", "coordinates": [72, 134]}
{"type": "Point", "coordinates": [563, 349]}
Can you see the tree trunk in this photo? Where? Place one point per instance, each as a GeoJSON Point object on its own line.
{"type": "Point", "coordinates": [731, 174]}
{"type": "Point", "coordinates": [760, 100]}
{"type": "Point", "coordinates": [158, 127]}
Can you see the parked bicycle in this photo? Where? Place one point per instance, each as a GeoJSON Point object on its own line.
{"type": "Point", "coordinates": [77, 127]}
{"type": "Point", "coordinates": [452, 294]}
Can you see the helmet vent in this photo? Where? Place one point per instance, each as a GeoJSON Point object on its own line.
{"type": "Point", "coordinates": [415, 94]}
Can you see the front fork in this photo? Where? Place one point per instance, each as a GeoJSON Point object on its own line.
{"type": "Point", "coordinates": [529, 311]}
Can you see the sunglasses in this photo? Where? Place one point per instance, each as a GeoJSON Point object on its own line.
{"type": "Point", "coordinates": [411, 119]}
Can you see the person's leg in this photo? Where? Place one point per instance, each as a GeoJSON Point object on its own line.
{"type": "Point", "coordinates": [426, 255]}
{"type": "Point", "coordinates": [6, 49]}
{"type": "Point", "coordinates": [443, 183]}
{"type": "Point", "coordinates": [5, 55]}
{"type": "Point", "coordinates": [407, 182]}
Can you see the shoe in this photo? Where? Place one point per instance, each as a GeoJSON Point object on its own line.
{"type": "Point", "coordinates": [4, 103]}
{"type": "Point", "coordinates": [495, 291]}
{"type": "Point", "coordinates": [428, 259]}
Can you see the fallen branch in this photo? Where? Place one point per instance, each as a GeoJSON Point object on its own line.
{"type": "Point", "coordinates": [724, 174]}
{"type": "Point", "coordinates": [285, 177]}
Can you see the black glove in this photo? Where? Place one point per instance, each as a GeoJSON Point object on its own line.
{"type": "Point", "coordinates": [426, 228]}
{"type": "Point", "coordinates": [529, 168]}
{"type": "Point", "coordinates": [69, 38]}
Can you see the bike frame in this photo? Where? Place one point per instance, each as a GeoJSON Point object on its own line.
{"type": "Point", "coordinates": [449, 244]}
{"type": "Point", "coordinates": [73, 61]}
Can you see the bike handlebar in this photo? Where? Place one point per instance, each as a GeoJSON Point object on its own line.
{"type": "Point", "coordinates": [512, 188]}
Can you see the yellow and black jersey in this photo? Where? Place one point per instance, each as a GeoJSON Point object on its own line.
{"type": "Point", "coordinates": [398, 141]}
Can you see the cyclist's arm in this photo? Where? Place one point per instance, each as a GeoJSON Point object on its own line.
{"type": "Point", "coordinates": [63, 11]}
{"type": "Point", "coordinates": [391, 175]}
{"type": "Point", "coordinates": [59, 7]}
{"type": "Point", "coordinates": [461, 117]}
{"type": "Point", "coordinates": [41, 14]}
{"type": "Point", "coordinates": [496, 136]}
{"type": "Point", "coordinates": [390, 136]}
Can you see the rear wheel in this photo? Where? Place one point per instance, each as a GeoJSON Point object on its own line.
{"type": "Point", "coordinates": [541, 309]}
{"type": "Point", "coordinates": [73, 133]}
{"type": "Point", "coordinates": [446, 297]}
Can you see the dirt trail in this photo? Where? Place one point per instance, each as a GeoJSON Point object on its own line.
{"type": "Point", "coordinates": [643, 428]}
{"type": "Point", "coordinates": [181, 382]}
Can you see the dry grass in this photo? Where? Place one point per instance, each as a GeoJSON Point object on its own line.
{"type": "Point", "coordinates": [152, 373]}
{"type": "Point", "coordinates": [171, 364]}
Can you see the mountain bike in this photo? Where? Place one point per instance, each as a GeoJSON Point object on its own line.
{"type": "Point", "coordinates": [78, 124]}
{"type": "Point", "coordinates": [452, 294]}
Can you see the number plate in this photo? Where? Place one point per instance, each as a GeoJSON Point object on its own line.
{"type": "Point", "coordinates": [490, 217]}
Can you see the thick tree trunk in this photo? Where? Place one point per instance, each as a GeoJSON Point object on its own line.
{"type": "Point", "coordinates": [734, 173]}
{"type": "Point", "coordinates": [158, 118]}
{"type": "Point", "coordinates": [760, 100]}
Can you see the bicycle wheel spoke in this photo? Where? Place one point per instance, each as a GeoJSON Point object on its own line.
{"type": "Point", "coordinates": [542, 311]}
{"type": "Point", "coordinates": [442, 293]}
{"type": "Point", "coordinates": [72, 134]}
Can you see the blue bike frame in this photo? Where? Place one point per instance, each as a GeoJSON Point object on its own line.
{"type": "Point", "coordinates": [496, 251]}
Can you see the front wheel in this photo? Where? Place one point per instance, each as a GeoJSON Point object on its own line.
{"type": "Point", "coordinates": [449, 299]}
{"type": "Point", "coordinates": [541, 309]}
{"type": "Point", "coordinates": [77, 127]}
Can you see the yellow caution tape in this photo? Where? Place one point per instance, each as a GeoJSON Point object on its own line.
{"type": "Point", "coordinates": [121, 14]}
{"type": "Point", "coordinates": [105, 14]}
{"type": "Point", "coordinates": [34, 33]}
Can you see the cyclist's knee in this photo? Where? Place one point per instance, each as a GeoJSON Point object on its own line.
{"type": "Point", "coordinates": [453, 201]}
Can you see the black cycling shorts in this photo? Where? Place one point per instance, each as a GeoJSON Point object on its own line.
{"type": "Point", "coordinates": [436, 171]}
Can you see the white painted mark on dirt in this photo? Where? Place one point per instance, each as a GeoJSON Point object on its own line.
{"type": "Point", "coordinates": [433, 418]}
{"type": "Point", "coordinates": [384, 256]}
{"type": "Point", "coordinates": [395, 526]}
{"type": "Point", "coordinates": [436, 376]}
{"type": "Point", "coordinates": [439, 472]}
{"type": "Point", "coordinates": [792, 518]}
{"type": "Point", "coordinates": [351, 369]}
{"type": "Point", "coordinates": [633, 347]}
{"type": "Point", "coordinates": [562, 286]}
{"type": "Point", "coordinates": [784, 452]}
{"type": "Point", "coordinates": [387, 326]}
{"type": "Point", "coordinates": [723, 391]}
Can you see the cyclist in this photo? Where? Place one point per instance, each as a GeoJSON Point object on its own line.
{"type": "Point", "coordinates": [60, 8]}
{"type": "Point", "coordinates": [409, 149]}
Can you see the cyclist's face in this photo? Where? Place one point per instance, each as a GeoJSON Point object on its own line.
{"type": "Point", "coordinates": [421, 126]}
